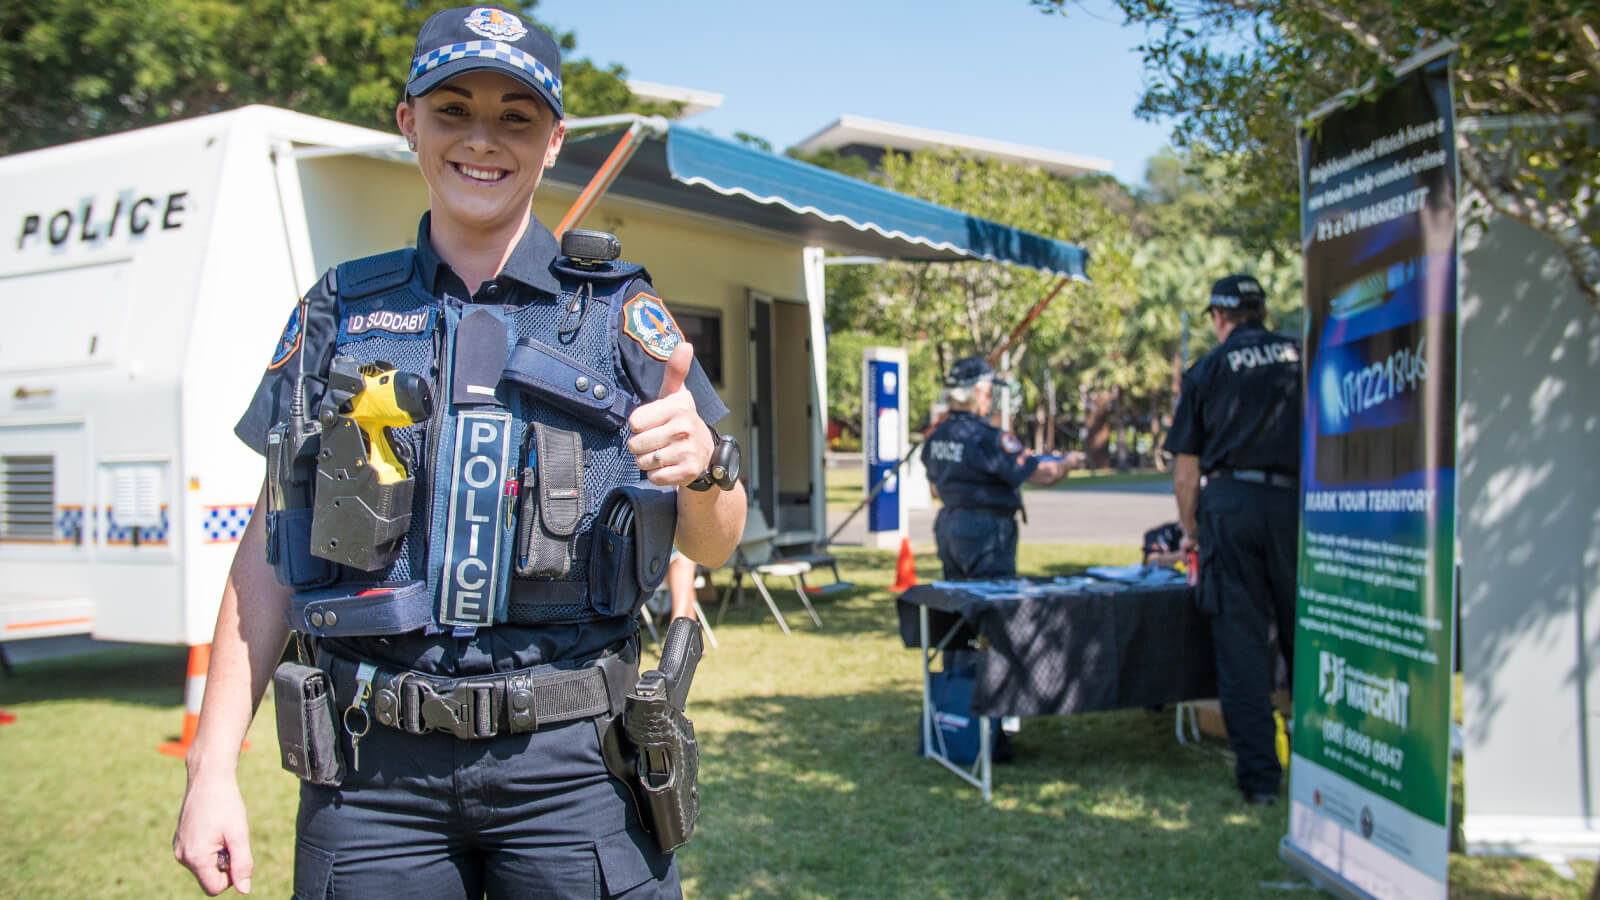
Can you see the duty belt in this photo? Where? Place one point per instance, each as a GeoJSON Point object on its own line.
{"type": "Point", "coordinates": [481, 706]}
{"type": "Point", "coordinates": [1257, 476]}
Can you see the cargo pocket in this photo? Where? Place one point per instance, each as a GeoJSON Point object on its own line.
{"type": "Point", "coordinates": [313, 872]}
{"type": "Point", "coordinates": [629, 859]}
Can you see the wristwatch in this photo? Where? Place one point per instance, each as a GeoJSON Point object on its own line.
{"type": "Point", "coordinates": [723, 470]}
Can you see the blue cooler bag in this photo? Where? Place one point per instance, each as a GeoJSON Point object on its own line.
{"type": "Point", "coordinates": [951, 690]}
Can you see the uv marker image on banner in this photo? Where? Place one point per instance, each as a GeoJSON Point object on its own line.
{"type": "Point", "coordinates": [1369, 777]}
{"type": "Point", "coordinates": [1372, 392]}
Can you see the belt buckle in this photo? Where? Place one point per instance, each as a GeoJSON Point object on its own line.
{"type": "Point", "coordinates": [452, 710]}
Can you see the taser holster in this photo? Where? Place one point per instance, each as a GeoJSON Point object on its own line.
{"type": "Point", "coordinates": [668, 762]}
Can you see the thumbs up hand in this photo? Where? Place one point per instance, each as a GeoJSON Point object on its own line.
{"type": "Point", "coordinates": [670, 441]}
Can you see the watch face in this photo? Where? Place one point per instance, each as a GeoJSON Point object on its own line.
{"type": "Point", "coordinates": [730, 457]}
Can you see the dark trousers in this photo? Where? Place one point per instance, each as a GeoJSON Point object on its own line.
{"type": "Point", "coordinates": [520, 815]}
{"type": "Point", "coordinates": [976, 543]}
{"type": "Point", "coordinates": [1248, 555]}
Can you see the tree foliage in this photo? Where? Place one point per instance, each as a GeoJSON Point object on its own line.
{"type": "Point", "coordinates": [1237, 75]}
{"type": "Point", "coordinates": [1102, 356]}
{"type": "Point", "coordinates": [73, 69]}
{"type": "Point", "coordinates": [943, 311]}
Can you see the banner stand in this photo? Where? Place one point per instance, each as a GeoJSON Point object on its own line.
{"type": "Point", "coordinates": [1369, 780]}
{"type": "Point", "coordinates": [1321, 877]}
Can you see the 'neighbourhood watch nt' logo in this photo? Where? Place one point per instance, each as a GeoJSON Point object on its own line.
{"type": "Point", "coordinates": [1386, 698]}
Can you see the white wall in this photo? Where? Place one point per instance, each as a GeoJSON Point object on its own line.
{"type": "Point", "coordinates": [1529, 523]}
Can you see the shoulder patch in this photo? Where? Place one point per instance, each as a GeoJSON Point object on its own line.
{"type": "Point", "coordinates": [1009, 443]}
{"type": "Point", "coordinates": [646, 320]}
{"type": "Point", "coordinates": [289, 341]}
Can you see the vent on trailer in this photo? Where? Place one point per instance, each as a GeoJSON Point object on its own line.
{"type": "Point", "coordinates": [27, 498]}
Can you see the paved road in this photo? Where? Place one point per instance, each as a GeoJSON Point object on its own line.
{"type": "Point", "coordinates": [1112, 515]}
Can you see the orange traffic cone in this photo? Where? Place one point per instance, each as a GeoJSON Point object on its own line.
{"type": "Point", "coordinates": [905, 571]}
{"type": "Point", "coordinates": [194, 690]}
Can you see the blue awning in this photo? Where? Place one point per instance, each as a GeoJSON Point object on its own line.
{"type": "Point", "coordinates": [711, 176]}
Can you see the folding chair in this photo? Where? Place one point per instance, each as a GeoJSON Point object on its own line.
{"type": "Point", "coordinates": [661, 602]}
{"type": "Point", "coordinates": [817, 559]}
{"type": "Point", "coordinates": [754, 557]}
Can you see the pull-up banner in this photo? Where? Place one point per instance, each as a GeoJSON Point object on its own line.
{"type": "Point", "coordinates": [1370, 776]}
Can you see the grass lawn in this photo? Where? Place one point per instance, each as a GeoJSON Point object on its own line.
{"type": "Point", "coordinates": [810, 785]}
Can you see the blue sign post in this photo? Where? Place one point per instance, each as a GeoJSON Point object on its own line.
{"type": "Point", "coordinates": [884, 442]}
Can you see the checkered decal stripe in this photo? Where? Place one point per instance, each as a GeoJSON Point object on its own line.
{"type": "Point", "coordinates": [69, 522]}
{"type": "Point", "coordinates": [490, 49]}
{"type": "Point", "coordinates": [225, 524]}
{"type": "Point", "coordinates": [123, 534]}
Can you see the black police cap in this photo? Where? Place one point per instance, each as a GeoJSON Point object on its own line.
{"type": "Point", "coordinates": [1238, 292]}
{"type": "Point", "coordinates": [968, 371]}
{"type": "Point", "coordinates": [472, 38]}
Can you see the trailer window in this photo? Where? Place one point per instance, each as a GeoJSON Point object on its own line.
{"type": "Point", "coordinates": [703, 329]}
{"type": "Point", "coordinates": [27, 498]}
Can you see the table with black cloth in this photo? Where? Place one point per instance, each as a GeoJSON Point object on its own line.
{"type": "Point", "coordinates": [1061, 646]}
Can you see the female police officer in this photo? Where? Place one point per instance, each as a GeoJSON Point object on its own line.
{"type": "Point", "coordinates": [470, 764]}
{"type": "Point", "coordinates": [978, 471]}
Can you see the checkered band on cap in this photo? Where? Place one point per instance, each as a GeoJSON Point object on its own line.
{"type": "Point", "coordinates": [489, 50]}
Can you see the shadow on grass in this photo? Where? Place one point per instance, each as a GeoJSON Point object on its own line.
{"type": "Point", "coordinates": [143, 676]}
{"type": "Point", "coordinates": [805, 795]}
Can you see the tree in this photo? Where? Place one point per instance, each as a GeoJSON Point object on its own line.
{"type": "Point", "coordinates": [1238, 75]}
{"type": "Point", "coordinates": [73, 69]}
{"type": "Point", "coordinates": [949, 310]}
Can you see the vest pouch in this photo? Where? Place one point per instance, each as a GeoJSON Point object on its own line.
{"type": "Point", "coordinates": [550, 502]}
{"type": "Point", "coordinates": [568, 385]}
{"type": "Point", "coordinates": [362, 609]}
{"type": "Point", "coordinates": [289, 551]}
{"type": "Point", "coordinates": [633, 534]}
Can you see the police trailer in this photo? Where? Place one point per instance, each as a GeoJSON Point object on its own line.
{"type": "Point", "coordinates": [149, 274]}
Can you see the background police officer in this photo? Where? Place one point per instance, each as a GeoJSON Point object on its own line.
{"type": "Point", "coordinates": [978, 471]}
{"type": "Point", "coordinates": [508, 791]}
{"type": "Point", "coordinates": [1238, 422]}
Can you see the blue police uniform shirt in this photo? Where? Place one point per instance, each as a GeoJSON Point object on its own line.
{"type": "Point", "coordinates": [525, 278]}
{"type": "Point", "coordinates": [974, 464]}
{"type": "Point", "coordinates": [1240, 404]}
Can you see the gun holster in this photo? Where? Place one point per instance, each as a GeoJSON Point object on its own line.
{"type": "Point", "coordinates": [666, 766]}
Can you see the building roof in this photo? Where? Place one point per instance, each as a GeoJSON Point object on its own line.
{"type": "Point", "coordinates": [693, 101]}
{"type": "Point", "coordinates": [858, 131]}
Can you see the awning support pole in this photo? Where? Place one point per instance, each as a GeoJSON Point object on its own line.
{"type": "Point", "coordinates": [1027, 320]}
{"type": "Point", "coordinates": [607, 173]}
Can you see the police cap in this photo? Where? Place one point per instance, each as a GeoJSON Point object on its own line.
{"type": "Point", "coordinates": [1238, 292]}
{"type": "Point", "coordinates": [471, 38]}
{"type": "Point", "coordinates": [968, 371]}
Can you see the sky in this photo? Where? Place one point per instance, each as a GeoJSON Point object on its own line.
{"type": "Point", "coordinates": [995, 69]}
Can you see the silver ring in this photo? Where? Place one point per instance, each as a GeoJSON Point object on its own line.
{"type": "Point", "coordinates": [655, 460]}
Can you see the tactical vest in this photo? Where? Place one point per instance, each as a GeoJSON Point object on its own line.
{"type": "Point", "coordinates": [950, 454]}
{"type": "Point", "coordinates": [527, 507]}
